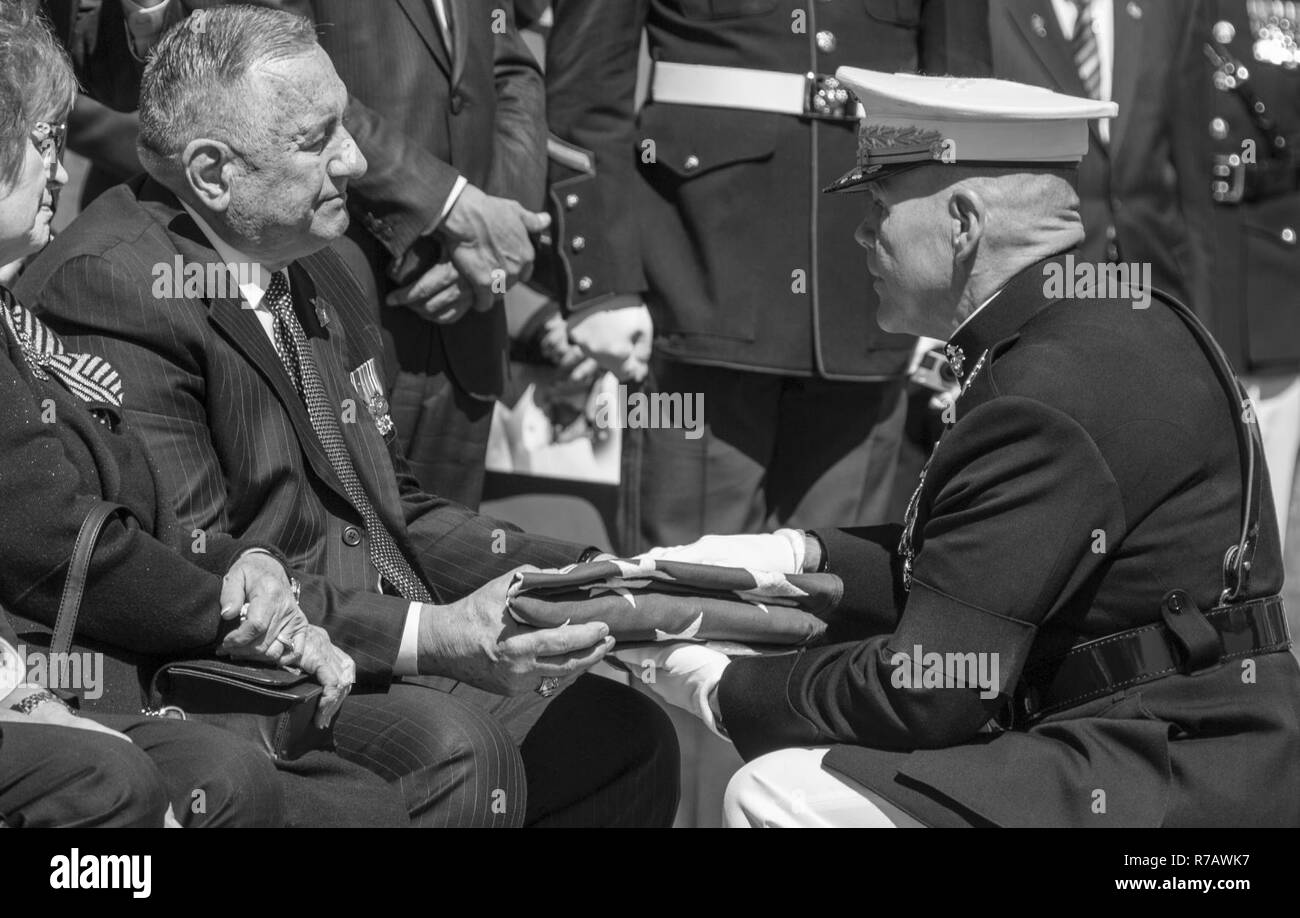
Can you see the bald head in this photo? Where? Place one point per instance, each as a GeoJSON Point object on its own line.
{"type": "Point", "coordinates": [941, 239]}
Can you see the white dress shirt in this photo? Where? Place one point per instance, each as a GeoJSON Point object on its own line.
{"type": "Point", "coordinates": [255, 277]}
{"type": "Point", "coordinates": [1103, 26]}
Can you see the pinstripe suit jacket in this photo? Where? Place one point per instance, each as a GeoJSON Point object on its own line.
{"type": "Point", "coordinates": [230, 433]}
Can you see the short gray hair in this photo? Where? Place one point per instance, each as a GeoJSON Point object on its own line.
{"type": "Point", "coordinates": [197, 82]}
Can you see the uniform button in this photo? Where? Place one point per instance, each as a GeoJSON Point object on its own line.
{"type": "Point", "coordinates": [584, 284]}
{"type": "Point", "coordinates": [1288, 236]}
{"type": "Point", "coordinates": [692, 163]}
{"type": "Point", "coordinates": [826, 42]}
{"type": "Point", "coordinates": [352, 536]}
{"type": "Point", "coordinates": [457, 103]}
{"type": "Point", "coordinates": [1218, 128]}
{"type": "Point", "coordinates": [1224, 32]}
{"type": "Point", "coordinates": [578, 242]}
{"type": "Point", "coordinates": [571, 201]}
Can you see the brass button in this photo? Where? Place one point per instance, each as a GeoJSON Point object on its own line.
{"type": "Point", "coordinates": [692, 163]}
{"type": "Point", "coordinates": [1224, 32]}
{"type": "Point", "coordinates": [1288, 236]}
{"type": "Point", "coordinates": [571, 201]}
{"type": "Point", "coordinates": [352, 536]}
{"type": "Point", "coordinates": [584, 284]}
{"type": "Point", "coordinates": [1218, 128]}
{"type": "Point", "coordinates": [578, 243]}
{"type": "Point", "coordinates": [826, 42]}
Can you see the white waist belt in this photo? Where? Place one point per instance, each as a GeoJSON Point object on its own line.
{"type": "Point", "coordinates": [738, 87]}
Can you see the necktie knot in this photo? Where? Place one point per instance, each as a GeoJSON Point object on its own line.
{"type": "Point", "coordinates": [277, 293]}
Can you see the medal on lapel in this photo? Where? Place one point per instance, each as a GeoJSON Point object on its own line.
{"type": "Point", "coordinates": [365, 379]}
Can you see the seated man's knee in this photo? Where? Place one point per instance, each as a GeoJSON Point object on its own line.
{"type": "Point", "coordinates": [227, 781]}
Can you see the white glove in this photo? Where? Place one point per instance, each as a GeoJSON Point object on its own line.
{"type": "Point", "coordinates": [681, 673]}
{"type": "Point", "coordinates": [618, 337]}
{"type": "Point", "coordinates": [781, 551]}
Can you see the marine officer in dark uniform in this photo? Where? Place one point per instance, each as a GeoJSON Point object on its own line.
{"type": "Point", "coordinates": [1078, 622]}
{"type": "Point", "coordinates": [1251, 67]}
{"type": "Point", "coordinates": [707, 207]}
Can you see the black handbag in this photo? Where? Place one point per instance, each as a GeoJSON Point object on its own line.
{"type": "Point", "coordinates": [271, 707]}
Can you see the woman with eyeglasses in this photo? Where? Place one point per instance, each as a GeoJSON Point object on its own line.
{"type": "Point", "coordinates": [66, 448]}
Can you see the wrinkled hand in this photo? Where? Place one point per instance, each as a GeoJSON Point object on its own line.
{"type": "Point", "coordinates": [617, 337]}
{"type": "Point", "coordinates": [260, 582]}
{"type": "Point", "coordinates": [576, 368]}
{"type": "Point", "coordinates": [477, 641]}
{"type": "Point", "coordinates": [782, 551]}
{"type": "Point", "coordinates": [51, 713]}
{"type": "Point", "coordinates": [440, 295]}
{"type": "Point", "coordinates": [332, 668]}
{"type": "Point", "coordinates": [681, 673]}
{"type": "Point", "coordinates": [488, 240]}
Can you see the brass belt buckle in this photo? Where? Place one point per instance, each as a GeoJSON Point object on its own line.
{"type": "Point", "coordinates": [827, 98]}
{"type": "Point", "coordinates": [1229, 182]}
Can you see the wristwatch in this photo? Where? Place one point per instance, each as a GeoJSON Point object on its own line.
{"type": "Point", "coordinates": [35, 700]}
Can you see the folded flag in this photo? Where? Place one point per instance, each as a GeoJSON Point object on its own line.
{"type": "Point", "coordinates": [657, 600]}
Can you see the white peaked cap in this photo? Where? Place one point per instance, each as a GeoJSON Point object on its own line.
{"type": "Point", "coordinates": [910, 120]}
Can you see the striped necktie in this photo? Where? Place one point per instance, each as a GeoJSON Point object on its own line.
{"type": "Point", "coordinates": [1087, 57]}
{"type": "Point", "coordinates": [91, 379]}
{"type": "Point", "coordinates": [295, 354]}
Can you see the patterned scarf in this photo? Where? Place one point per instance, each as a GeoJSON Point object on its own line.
{"type": "Point", "coordinates": [92, 379]}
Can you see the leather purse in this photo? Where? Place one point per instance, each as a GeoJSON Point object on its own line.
{"type": "Point", "coordinates": [273, 708]}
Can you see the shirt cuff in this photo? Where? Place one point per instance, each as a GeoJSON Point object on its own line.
{"type": "Point", "coordinates": [456, 191]}
{"type": "Point", "coordinates": [408, 657]}
{"type": "Point", "coordinates": [149, 22]}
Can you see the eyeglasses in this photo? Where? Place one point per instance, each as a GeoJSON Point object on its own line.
{"type": "Point", "coordinates": [50, 140]}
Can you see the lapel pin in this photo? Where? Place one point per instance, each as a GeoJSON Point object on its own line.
{"type": "Point", "coordinates": [1037, 24]}
{"type": "Point", "coordinates": [1134, 10]}
{"type": "Point", "coordinates": [322, 316]}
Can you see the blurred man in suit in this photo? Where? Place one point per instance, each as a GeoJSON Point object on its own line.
{"type": "Point", "coordinates": [706, 206]}
{"type": "Point", "coordinates": [1141, 187]}
{"type": "Point", "coordinates": [258, 391]}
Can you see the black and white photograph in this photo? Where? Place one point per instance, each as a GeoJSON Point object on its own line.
{"type": "Point", "coordinates": [650, 414]}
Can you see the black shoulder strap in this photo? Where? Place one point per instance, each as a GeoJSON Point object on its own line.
{"type": "Point", "coordinates": [78, 570]}
{"type": "Point", "coordinates": [1236, 560]}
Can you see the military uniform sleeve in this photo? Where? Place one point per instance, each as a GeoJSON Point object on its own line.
{"type": "Point", "coordinates": [591, 74]}
{"type": "Point", "coordinates": [1019, 495]}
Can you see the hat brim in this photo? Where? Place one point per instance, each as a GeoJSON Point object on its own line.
{"type": "Point", "coordinates": [859, 177]}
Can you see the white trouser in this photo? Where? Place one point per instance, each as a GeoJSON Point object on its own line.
{"type": "Point", "coordinates": [790, 789]}
{"type": "Point", "coordinates": [1277, 407]}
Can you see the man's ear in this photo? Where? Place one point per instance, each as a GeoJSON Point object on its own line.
{"type": "Point", "coordinates": [207, 166]}
{"type": "Point", "coordinates": [968, 213]}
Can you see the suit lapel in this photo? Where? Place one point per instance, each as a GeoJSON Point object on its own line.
{"type": "Point", "coordinates": [369, 452]}
{"type": "Point", "coordinates": [1129, 41]}
{"type": "Point", "coordinates": [240, 326]}
{"type": "Point", "coordinates": [421, 16]}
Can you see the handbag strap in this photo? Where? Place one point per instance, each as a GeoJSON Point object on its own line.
{"type": "Point", "coordinates": [65, 624]}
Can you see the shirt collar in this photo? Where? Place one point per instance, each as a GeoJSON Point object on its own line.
{"type": "Point", "coordinates": [252, 276]}
{"type": "Point", "coordinates": [1000, 316]}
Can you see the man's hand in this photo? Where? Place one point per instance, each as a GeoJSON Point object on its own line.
{"type": "Point", "coordinates": [487, 238]}
{"type": "Point", "coordinates": [439, 295]}
{"type": "Point", "coordinates": [259, 581]}
{"type": "Point", "coordinates": [52, 713]}
{"type": "Point", "coordinates": [618, 337]}
{"type": "Point", "coordinates": [332, 668]}
{"type": "Point", "coordinates": [785, 551]}
{"type": "Point", "coordinates": [477, 641]}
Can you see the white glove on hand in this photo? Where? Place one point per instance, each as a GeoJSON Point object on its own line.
{"type": "Point", "coordinates": [618, 337]}
{"type": "Point", "coordinates": [681, 673]}
{"type": "Point", "coordinates": [781, 551]}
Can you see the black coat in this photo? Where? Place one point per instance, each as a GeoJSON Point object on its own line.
{"type": "Point", "coordinates": [231, 436]}
{"type": "Point", "coordinates": [149, 593]}
{"type": "Point", "coordinates": [1088, 417]}
{"type": "Point", "coordinates": [714, 230]}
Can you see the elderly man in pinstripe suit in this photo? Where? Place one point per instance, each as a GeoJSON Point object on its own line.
{"type": "Point", "coordinates": [258, 392]}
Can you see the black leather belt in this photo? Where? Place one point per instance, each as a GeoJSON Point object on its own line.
{"type": "Point", "coordinates": [1119, 661]}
